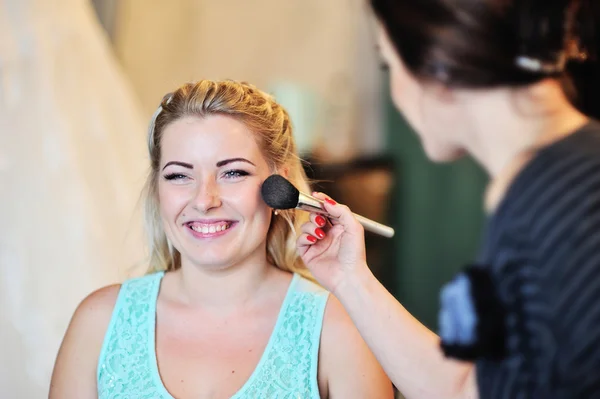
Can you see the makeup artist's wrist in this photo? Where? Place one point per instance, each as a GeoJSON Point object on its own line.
{"type": "Point", "coordinates": [356, 285]}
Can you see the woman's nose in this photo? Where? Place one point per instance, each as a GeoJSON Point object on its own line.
{"type": "Point", "coordinates": [207, 197]}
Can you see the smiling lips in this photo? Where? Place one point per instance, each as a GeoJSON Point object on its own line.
{"type": "Point", "coordinates": [209, 229]}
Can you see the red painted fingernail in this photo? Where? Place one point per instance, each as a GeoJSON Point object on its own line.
{"type": "Point", "coordinates": [330, 201]}
{"type": "Point", "coordinates": [320, 220]}
{"type": "Point", "coordinates": [311, 239]}
{"type": "Point", "coordinates": [319, 233]}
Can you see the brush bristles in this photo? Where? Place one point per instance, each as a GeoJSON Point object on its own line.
{"type": "Point", "coordinates": [279, 193]}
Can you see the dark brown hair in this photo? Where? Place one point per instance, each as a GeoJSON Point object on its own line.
{"type": "Point", "coordinates": [476, 43]}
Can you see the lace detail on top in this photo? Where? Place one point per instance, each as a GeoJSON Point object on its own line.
{"type": "Point", "coordinates": [287, 369]}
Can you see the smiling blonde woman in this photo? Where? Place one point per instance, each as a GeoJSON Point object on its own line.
{"type": "Point", "coordinates": [224, 311]}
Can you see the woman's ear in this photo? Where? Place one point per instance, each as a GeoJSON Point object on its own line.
{"type": "Point", "coordinates": [283, 171]}
{"type": "Point", "coordinates": [443, 93]}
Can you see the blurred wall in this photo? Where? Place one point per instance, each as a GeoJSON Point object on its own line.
{"type": "Point", "coordinates": [324, 49]}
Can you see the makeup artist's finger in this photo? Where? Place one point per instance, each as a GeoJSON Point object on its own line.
{"type": "Point", "coordinates": [340, 214]}
{"type": "Point", "coordinates": [305, 240]}
{"type": "Point", "coordinates": [313, 230]}
{"type": "Point", "coordinates": [318, 220]}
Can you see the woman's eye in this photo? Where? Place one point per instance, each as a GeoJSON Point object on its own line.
{"type": "Point", "coordinates": [175, 176]}
{"type": "Point", "coordinates": [231, 174]}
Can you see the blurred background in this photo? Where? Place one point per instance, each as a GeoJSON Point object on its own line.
{"type": "Point", "coordinates": [79, 80]}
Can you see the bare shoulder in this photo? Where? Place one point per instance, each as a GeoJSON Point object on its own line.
{"type": "Point", "coordinates": [346, 362]}
{"type": "Point", "coordinates": [93, 314]}
{"type": "Point", "coordinates": [74, 374]}
{"type": "Point", "coordinates": [99, 302]}
{"type": "Point", "coordinates": [92, 317]}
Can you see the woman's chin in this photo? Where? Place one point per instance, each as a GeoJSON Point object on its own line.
{"type": "Point", "coordinates": [212, 263]}
{"type": "Point", "coordinates": [443, 153]}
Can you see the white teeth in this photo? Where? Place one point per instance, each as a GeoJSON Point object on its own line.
{"type": "Point", "coordinates": [210, 229]}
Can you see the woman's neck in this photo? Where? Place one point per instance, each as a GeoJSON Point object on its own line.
{"type": "Point", "coordinates": [506, 133]}
{"type": "Point", "coordinates": [224, 289]}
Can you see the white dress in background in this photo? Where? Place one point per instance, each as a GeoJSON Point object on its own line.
{"type": "Point", "coordinates": [72, 163]}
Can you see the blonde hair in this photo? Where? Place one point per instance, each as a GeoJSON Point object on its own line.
{"type": "Point", "coordinates": [271, 124]}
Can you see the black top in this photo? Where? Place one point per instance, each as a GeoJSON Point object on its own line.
{"type": "Point", "coordinates": [542, 248]}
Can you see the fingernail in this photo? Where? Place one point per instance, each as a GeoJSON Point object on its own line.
{"type": "Point", "coordinates": [311, 239]}
{"type": "Point", "coordinates": [320, 220]}
{"type": "Point", "coordinates": [319, 233]}
{"type": "Point", "coordinates": [330, 201]}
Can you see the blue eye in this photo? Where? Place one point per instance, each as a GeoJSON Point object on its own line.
{"type": "Point", "coordinates": [232, 174]}
{"type": "Point", "coordinates": [175, 176]}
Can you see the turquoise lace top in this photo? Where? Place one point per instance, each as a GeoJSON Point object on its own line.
{"type": "Point", "coordinates": [127, 365]}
